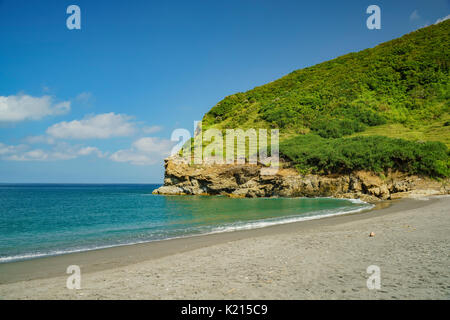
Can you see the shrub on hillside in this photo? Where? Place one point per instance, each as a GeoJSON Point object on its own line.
{"type": "Point", "coordinates": [336, 128]}
{"type": "Point", "coordinates": [374, 153]}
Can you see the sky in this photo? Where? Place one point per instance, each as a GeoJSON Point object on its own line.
{"type": "Point", "coordinates": [99, 104]}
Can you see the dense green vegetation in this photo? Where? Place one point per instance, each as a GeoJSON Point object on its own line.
{"type": "Point", "coordinates": [399, 89]}
{"type": "Point", "coordinates": [312, 153]}
{"type": "Point", "coordinates": [336, 128]}
{"type": "Point", "coordinates": [404, 80]}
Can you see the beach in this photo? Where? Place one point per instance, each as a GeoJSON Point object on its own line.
{"type": "Point", "coordinates": [318, 259]}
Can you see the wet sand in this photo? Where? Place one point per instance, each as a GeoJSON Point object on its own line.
{"type": "Point", "coordinates": [317, 259]}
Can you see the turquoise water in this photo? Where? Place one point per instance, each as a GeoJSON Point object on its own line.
{"type": "Point", "coordinates": [48, 219]}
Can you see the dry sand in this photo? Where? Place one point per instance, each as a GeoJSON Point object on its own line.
{"type": "Point", "coordinates": [319, 259]}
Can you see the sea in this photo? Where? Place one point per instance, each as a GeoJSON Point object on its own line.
{"type": "Point", "coordinates": [38, 220]}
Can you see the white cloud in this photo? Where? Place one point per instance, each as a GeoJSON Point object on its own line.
{"type": "Point", "coordinates": [153, 145]}
{"type": "Point", "coordinates": [144, 151]}
{"type": "Point", "coordinates": [61, 151]}
{"type": "Point", "coordinates": [65, 151]}
{"type": "Point", "coordinates": [24, 107]}
{"type": "Point", "coordinates": [42, 139]}
{"type": "Point", "coordinates": [101, 126]}
{"type": "Point", "coordinates": [414, 16]}
{"type": "Point", "coordinates": [442, 19]}
{"type": "Point", "coordinates": [89, 150]}
{"type": "Point", "coordinates": [8, 150]}
{"type": "Point", "coordinates": [84, 96]}
{"type": "Point", "coordinates": [132, 157]}
{"type": "Point", "coordinates": [153, 129]}
{"type": "Point", "coordinates": [32, 155]}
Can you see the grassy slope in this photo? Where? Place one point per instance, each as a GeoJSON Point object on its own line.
{"type": "Point", "coordinates": [398, 89]}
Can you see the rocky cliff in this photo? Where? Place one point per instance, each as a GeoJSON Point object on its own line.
{"type": "Point", "coordinates": [247, 181]}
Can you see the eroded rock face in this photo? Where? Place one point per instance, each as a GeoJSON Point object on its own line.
{"type": "Point", "coordinates": [246, 180]}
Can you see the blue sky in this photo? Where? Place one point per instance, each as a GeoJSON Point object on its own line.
{"type": "Point", "coordinates": [98, 105]}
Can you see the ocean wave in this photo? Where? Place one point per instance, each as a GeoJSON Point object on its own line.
{"type": "Point", "coordinates": [285, 220]}
{"type": "Point", "coordinates": [356, 201]}
{"type": "Point", "coordinates": [255, 224]}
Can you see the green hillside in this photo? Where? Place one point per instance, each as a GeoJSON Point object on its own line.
{"type": "Point", "coordinates": [331, 115]}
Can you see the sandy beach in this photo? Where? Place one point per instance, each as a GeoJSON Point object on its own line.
{"type": "Point", "coordinates": [317, 259]}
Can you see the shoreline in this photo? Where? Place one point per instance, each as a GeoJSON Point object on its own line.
{"type": "Point", "coordinates": [263, 223]}
{"type": "Point", "coordinates": [100, 259]}
{"type": "Point", "coordinates": [316, 259]}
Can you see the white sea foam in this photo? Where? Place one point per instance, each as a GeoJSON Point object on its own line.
{"type": "Point", "coordinates": [355, 200]}
{"type": "Point", "coordinates": [271, 222]}
{"type": "Point", "coordinates": [48, 254]}
{"type": "Point", "coordinates": [256, 224]}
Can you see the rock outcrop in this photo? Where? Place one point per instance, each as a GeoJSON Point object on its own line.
{"type": "Point", "coordinates": [246, 180]}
